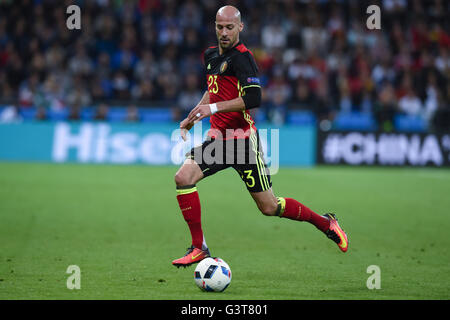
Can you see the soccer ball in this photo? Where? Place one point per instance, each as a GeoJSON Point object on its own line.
{"type": "Point", "coordinates": [212, 274]}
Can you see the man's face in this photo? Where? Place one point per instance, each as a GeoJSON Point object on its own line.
{"type": "Point", "coordinates": [227, 33]}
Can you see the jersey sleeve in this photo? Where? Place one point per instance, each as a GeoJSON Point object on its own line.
{"type": "Point", "coordinates": [246, 70]}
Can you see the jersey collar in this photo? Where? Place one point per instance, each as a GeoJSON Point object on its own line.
{"type": "Point", "coordinates": [229, 50]}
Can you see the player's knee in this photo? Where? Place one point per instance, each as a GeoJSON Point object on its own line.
{"type": "Point", "coordinates": [268, 209]}
{"type": "Point", "coordinates": [182, 179]}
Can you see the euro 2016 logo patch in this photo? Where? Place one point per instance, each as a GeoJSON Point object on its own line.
{"type": "Point", "coordinates": [253, 80]}
{"type": "Point", "coordinates": [223, 67]}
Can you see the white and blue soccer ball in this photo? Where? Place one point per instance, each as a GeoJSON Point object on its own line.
{"type": "Point", "coordinates": [212, 274]}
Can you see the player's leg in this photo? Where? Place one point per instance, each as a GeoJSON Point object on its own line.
{"type": "Point", "coordinates": [188, 174]}
{"type": "Point", "coordinates": [266, 202]}
{"type": "Point", "coordinates": [192, 171]}
{"type": "Point", "coordinates": [291, 209]}
{"type": "Point", "coordinates": [188, 200]}
{"type": "Point", "coordinates": [186, 179]}
{"type": "Point", "coordinates": [288, 208]}
{"type": "Point", "coordinates": [257, 178]}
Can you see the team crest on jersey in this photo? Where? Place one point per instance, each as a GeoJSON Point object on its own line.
{"type": "Point", "coordinates": [223, 67]}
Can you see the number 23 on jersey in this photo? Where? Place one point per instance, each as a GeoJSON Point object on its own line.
{"type": "Point", "coordinates": [213, 87]}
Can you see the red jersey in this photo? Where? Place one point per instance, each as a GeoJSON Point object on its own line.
{"type": "Point", "coordinates": [227, 76]}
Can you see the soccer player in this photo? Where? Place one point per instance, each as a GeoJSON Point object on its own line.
{"type": "Point", "coordinates": [233, 89]}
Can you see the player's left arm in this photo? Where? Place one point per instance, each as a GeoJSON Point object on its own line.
{"type": "Point", "coordinates": [247, 73]}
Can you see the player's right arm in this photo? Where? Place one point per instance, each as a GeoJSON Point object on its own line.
{"type": "Point", "coordinates": [187, 124]}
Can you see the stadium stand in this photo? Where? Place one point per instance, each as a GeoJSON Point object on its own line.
{"type": "Point", "coordinates": [140, 60]}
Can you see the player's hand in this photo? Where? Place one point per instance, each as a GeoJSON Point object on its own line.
{"type": "Point", "coordinates": [199, 112]}
{"type": "Point", "coordinates": [185, 126]}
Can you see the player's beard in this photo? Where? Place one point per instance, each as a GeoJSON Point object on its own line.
{"type": "Point", "coordinates": [227, 45]}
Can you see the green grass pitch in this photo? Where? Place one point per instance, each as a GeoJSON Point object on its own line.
{"type": "Point", "coordinates": [121, 225]}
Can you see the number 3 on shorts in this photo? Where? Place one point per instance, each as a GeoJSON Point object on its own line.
{"type": "Point", "coordinates": [249, 178]}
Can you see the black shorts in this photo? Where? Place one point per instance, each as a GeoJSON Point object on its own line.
{"type": "Point", "coordinates": [243, 155]}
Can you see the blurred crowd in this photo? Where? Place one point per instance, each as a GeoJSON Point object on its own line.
{"type": "Point", "coordinates": [315, 55]}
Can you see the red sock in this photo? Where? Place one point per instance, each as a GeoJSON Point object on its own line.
{"type": "Point", "coordinates": [294, 210]}
{"type": "Point", "coordinates": [189, 203]}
